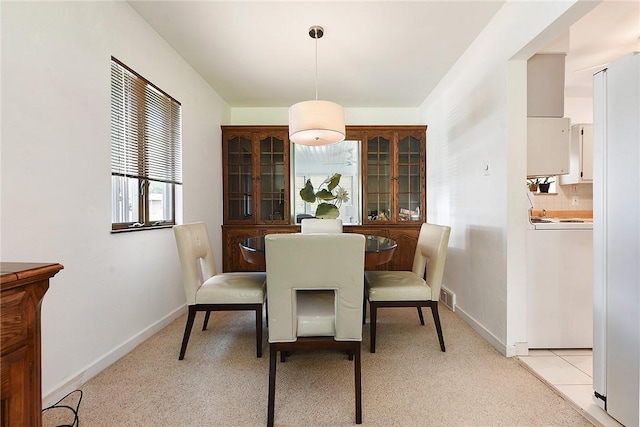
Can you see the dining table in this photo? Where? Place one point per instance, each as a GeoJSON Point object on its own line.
{"type": "Point", "coordinates": [378, 250]}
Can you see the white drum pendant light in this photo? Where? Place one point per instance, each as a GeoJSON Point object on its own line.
{"type": "Point", "coordinates": [316, 122]}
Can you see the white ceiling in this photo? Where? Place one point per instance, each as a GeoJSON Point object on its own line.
{"type": "Point", "coordinates": [373, 54]}
{"type": "Point", "coordinates": [610, 31]}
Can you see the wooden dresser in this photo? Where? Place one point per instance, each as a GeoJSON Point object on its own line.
{"type": "Point", "coordinates": [22, 287]}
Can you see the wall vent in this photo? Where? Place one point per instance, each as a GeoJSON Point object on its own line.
{"type": "Point", "coordinates": [448, 298]}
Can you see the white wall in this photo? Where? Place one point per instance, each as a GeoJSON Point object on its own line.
{"type": "Point", "coordinates": [115, 289]}
{"type": "Point", "coordinates": [476, 118]}
{"type": "Point", "coordinates": [579, 109]}
{"type": "Point", "coordinates": [353, 116]}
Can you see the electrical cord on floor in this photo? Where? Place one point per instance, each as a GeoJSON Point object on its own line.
{"type": "Point", "coordinates": [57, 405]}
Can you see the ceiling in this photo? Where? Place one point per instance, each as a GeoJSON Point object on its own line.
{"type": "Point", "coordinates": [373, 54]}
{"type": "Point", "coordinates": [610, 31]}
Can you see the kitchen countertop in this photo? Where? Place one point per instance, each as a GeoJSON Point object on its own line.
{"type": "Point", "coordinates": [561, 220]}
{"type": "Point", "coordinates": [586, 215]}
{"type": "Point", "coordinates": [561, 224]}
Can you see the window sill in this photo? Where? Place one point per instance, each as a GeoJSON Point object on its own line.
{"type": "Point", "coordinates": [130, 229]}
{"type": "Point", "coordinates": [545, 194]}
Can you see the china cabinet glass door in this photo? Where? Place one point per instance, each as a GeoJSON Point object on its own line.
{"type": "Point", "coordinates": [274, 179]}
{"type": "Point", "coordinates": [395, 176]}
{"type": "Point", "coordinates": [239, 175]}
{"type": "Point", "coordinates": [409, 178]}
{"type": "Point", "coordinates": [256, 175]}
{"type": "Point", "coordinates": [379, 153]}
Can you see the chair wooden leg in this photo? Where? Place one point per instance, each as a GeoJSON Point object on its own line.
{"type": "Point", "coordinates": [314, 343]}
{"type": "Point", "coordinates": [358, 377]}
{"type": "Point", "coordinates": [259, 331]}
{"type": "Point", "coordinates": [364, 310]}
{"type": "Point", "coordinates": [436, 320]}
{"type": "Point", "coordinates": [273, 354]}
{"type": "Point", "coordinates": [420, 314]}
{"type": "Point", "coordinates": [206, 320]}
{"type": "Point", "coordinates": [373, 315]}
{"type": "Point", "coordinates": [187, 330]}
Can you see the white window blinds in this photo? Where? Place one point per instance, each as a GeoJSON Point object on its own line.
{"type": "Point", "coordinates": [146, 139]}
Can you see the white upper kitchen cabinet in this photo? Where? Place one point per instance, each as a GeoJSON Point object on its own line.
{"type": "Point", "coordinates": [581, 156]}
{"type": "Point", "coordinates": [545, 85]}
{"type": "Point", "coordinates": [548, 143]}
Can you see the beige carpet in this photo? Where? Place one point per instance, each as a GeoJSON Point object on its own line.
{"type": "Point", "coordinates": [408, 382]}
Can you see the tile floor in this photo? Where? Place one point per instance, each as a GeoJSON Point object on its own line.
{"type": "Point", "coordinates": [570, 373]}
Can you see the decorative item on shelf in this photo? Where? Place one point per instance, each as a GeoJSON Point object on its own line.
{"type": "Point", "coordinates": [316, 122]}
{"type": "Point", "coordinates": [409, 215]}
{"type": "Point", "coordinates": [533, 184]}
{"type": "Point", "coordinates": [544, 184]}
{"type": "Point", "coordinates": [329, 207]}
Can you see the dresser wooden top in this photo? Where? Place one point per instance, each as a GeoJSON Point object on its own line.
{"type": "Point", "coordinates": [12, 272]}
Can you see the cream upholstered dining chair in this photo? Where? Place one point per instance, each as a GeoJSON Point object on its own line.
{"type": "Point", "coordinates": [311, 309]}
{"type": "Point", "coordinates": [409, 288]}
{"type": "Point", "coordinates": [321, 225]}
{"type": "Point", "coordinates": [207, 291]}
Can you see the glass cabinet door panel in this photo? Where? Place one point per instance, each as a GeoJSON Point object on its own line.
{"type": "Point", "coordinates": [240, 178]}
{"type": "Point", "coordinates": [414, 177]}
{"type": "Point", "coordinates": [266, 183]}
{"type": "Point", "coordinates": [409, 178]}
{"type": "Point", "coordinates": [373, 186]}
{"type": "Point", "coordinates": [404, 203]}
{"type": "Point", "coordinates": [403, 184]}
{"type": "Point", "coordinates": [378, 208]}
{"type": "Point", "coordinates": [272, 179]}
{"type": "Point", "coordinates": [378, 194]}
{"type": "Point", "coordinates": [233, 184]}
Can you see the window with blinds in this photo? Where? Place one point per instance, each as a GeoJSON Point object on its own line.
{"type": "Point", "coordinates": [146, 151]}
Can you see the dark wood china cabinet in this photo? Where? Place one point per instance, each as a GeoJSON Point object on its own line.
{"type": "Point", "coordinates": [256, 174]}
{"type": "Point", "coordinates": [257, 187]}
{"type": "Point", "coordinates": [394, 175]}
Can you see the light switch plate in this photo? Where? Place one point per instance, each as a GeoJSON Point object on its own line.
{"type": "Point", "coordinates": [574, 200]}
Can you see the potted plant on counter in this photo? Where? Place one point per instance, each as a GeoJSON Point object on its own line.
{"type": "Point", "coordinates": [544, 184]}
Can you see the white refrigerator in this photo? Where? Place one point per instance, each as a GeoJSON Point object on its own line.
{"type": "Point", "coordinates": [616, 238]}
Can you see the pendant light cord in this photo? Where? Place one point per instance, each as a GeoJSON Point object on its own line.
{"type": "Point", "coordinates": [316, 32]}
{"type": "Point", "coordinates": [316, 37]}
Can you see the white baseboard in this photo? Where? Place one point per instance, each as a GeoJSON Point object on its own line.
{"type": "Point", "coordinates": [74, 382]}
{"type": "Point", "coordinates": [484, 333]}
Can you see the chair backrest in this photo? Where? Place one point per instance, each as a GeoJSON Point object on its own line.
{"type": "Point", "coordinates": [432, 248]}
{"type": "Point", "coordinates": [321, 225]}
{"type": "Point", "coordinates": [196, 257]}
{"type": "Point", "coordinates": [315, 262]}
